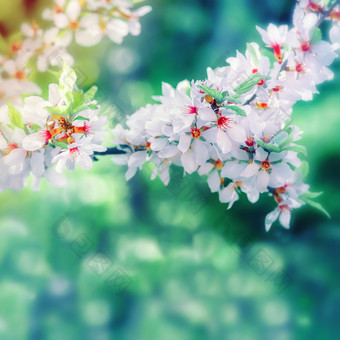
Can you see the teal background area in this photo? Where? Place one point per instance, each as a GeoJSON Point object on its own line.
{"type": "Point", "coordinates": [108, 259]}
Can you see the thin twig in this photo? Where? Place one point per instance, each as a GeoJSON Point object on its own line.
{"type": "Point", "coordinates": [110, 151]}
{"type": "Point", "coordinates": [325, 15]}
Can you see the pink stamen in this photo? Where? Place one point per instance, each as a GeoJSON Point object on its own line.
{"type": "Point", "coordinates": [191, 109]}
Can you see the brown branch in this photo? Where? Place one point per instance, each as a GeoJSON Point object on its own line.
{"type": "Point", "coordinates": [110, 151]}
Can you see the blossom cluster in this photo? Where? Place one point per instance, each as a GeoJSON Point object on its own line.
{"type": "Point", "coordinates": [85, 22]}
{"type": "Point", "coordinates": [43, 137]}
{"type": "Point", "coordinates": [235, 126]}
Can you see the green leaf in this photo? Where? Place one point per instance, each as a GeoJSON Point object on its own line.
{"type": "Point", "coordinates": [317, 206]}
{"type": "Point", "coordinates": [220, 97]}
{"type": "Point", "coordinates": [91, 106]}
{"type": "Point", "coordinates": [62, 33]}
{"type": "Point", "coordinates": [304, 168]}
{"type": "Point", "coordinates": [270, 55]}
{"type": "Point", "coordinates": [289, 139]}
{"type": "Point", "coordinates": [237, 110]}
{"type": "Point", "coordinates": [59, 110]}
{"type": "Point", "coordinates": [253, 54]}
{"type": "Point", "coordinates": [296, 148]}
{"type": "Point", "coordinates": [269, 147]}
{"type": "Point", "coordinates": [67, 82]}
{"type": "Point", "coordinates": [310, 195]}
{"type": "Point", "coordinates": [80, 118]}
{"type": "Point", "coordinates": [15, 117]}
{"type": "Point", "coordinates": [78, 99]}
{"type": "Point", "coordinates": [248, 85]}
{"type": "Point", "coordinates": [317, 35]}
{"type": "Point", "coordinates": [35, 127]}
{"type": "Point", "coordinates": [61, 145]}
{"type": "Point", "coordinates": [90, 94]}
{"type": "Point", "coordinates": [233, 98]}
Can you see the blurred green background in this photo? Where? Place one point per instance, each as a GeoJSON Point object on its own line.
{"type": "Point", "coordinates": [108, 259]}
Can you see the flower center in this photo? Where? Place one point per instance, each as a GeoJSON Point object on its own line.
{"type": "Point", "coordinates": [277, 53]}
{"type": "Point", "coordinates": [46, 135]}
{"type": "Point", "coordinates": [262, 105]}
{"type": "Point", "coordinates": [218, 164]}
{"type": "Point", "coordinates": [266, 166]}
{"type": "Point", "coordinates": [305, 46]}
{"type": "Point", "coordinates": [237, 185]}
{"type": "Point", "coordinates": [195, 133]}
{"type": "Point", "coordinates": [74, 25]}
{"type": "Point", "coordinates": [266, 138]}
{"type": "Point", "coordinates": [74, 152]}
{"type": "Point", "coordinates": [299, 67]}
{"type": "Point", "coordinates": [191, 109]}
{"type": "Point", "coordinates": [16, 46]}
{"type": "Point", "coordinates": [20, 75]}
{"type": "Point", "coordinates": [9, 149]}
{"type": "Point", "coordinates": [102, 25]}
{"type": "Point", "coordinates": [277, 88]}
{"type": "Point", "coordinates": [224, 122]}
{"type": "Point", "coordinates": [284, 207]}
{"type": "Point", "coordinates": [58, 9]}
{"type": "Point", "coordinates": [250, 141]}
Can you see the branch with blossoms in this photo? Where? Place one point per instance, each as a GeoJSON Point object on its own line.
{"type": "Point", "coordinates": [233, 127]}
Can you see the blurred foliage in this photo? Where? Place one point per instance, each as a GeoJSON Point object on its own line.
{"type": "Point", "coordinates": [105, 259]}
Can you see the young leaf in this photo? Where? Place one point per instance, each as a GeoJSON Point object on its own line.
{"type": "Point", "coordinates": [317, 206]}
{"type": "Point", "coordinates": [92, 106]}
{"type": "Point", "coordinates": [248, 84]}
{"type": "Point", "coordinates": [289, 139]}
{"type": "Point", "coordinates": [304, 168]}
{"type": "Point", "coordinates": [80, 118]}
{"type": "Point", "coordinates": [297, 148]}
{"type": "Point", "coordinates": [233, 98]}
{"type": "Point", "coordinates": [15, 117]}
{"type": "Point", "coordinates": [90, 94]}
{"type": "Point", "coordinates": [78, 99]}
{"type": "Point", "coordinates": [59, 110]}
{"type": "Point", "coordinates": [253, 54]}
{"type": "Point", "coordinates": [67, 82]}
{"type": "Point", "coordinates": [269, 147]}
{"type": "Point", "coordinates": [317, 35]}
{"type": "Point", "coordinates": [220, 97]}
{"type": "Point", "coordinates": [35, 127]}
{"type": "Point", "coordinates": [269, 55]}
{"type": "Point", "coordinates": [61, 145]}
{"type": "Point", "coordinates": [237, 110]}
{"type": "Point", "coordinates": [310, 195]}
